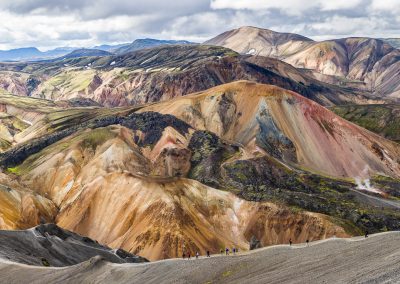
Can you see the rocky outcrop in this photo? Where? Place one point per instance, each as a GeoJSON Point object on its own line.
{"type": "Point", "coordinates": [173, 162]}
{"type": "Point", "coordinates": [272, 139]}
{"type": "Point", "coordinates": [209, 153]}
{"type": "Point", "coordinates": [49, 245]}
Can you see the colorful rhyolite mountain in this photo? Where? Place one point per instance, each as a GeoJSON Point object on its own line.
{"type": "Point", "coordinates": [160, 73]}
{"type": "Point", "coordinates": [235, 163]}
{"type": "Point", "coordinates": [366, 63]}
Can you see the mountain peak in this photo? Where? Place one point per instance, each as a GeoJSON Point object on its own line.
{"type": "Point", "coordinates": [258, 41]}
{"type": "Point", "coordinates": [83, 52]}
{"type": "Point", "coordinates": [142, 43]}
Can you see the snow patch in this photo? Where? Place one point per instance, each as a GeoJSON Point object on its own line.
{"type": "Point", "coordinates": [28, 122]}
{"type": "Point", "coordinates": [251, 51]}
{"type": "Point", "coordinates": [149, 59]}
{"type": "Point", "coordinates": [112, 63]}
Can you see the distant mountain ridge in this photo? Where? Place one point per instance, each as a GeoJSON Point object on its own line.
{"type": "Point", "coordinates": [121, 80]}
{"type": "Point", "coordinates": [395, 42]}
{"type": "Point", "coordinates": [83, 52]}
{"type": "Point", "coordinates": [368, 64]}
{"type": "Point", "coordinates": [34, 54]}
{"type": "Point", "coordinates": [148, 42]}
{"type": "Point", "coordinates": [110, 47]}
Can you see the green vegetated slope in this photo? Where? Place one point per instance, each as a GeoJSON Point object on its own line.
{"type": "Point", "coordinates": [381, 119]}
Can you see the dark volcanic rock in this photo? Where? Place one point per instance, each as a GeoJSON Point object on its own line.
{"type": "Point", "coordinates": [208, 153]}
{"type": "Point", "coordinates": [273, 140]}
{"type": "Point", "coordinates": [254, 243]}
{"type": "Point", "coordinates": [49, 245]}
{"type": "Point", "coordinates": [152, 124]}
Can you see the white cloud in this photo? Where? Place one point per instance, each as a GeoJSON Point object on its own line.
{"type": "Point", "coordinates": [392, 6]}
{"type": "Point", "coordinates": [50, 23]}
{"type": "Point", "coordinates": [339, 4]}
{"type": "Point", "coordinates": [295, 7]}
{"type": "Point", "coordinates": [338, 25]}
{"type": "Point", "coordinates": [68, 30]}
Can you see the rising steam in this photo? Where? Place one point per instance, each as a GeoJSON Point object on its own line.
{"type": "Point", "coordinates": [363, 182]}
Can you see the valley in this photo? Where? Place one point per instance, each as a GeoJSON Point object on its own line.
{"type": "Point", "coordinates": [120, 154]}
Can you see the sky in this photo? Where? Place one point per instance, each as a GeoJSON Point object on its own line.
{"type": "Point", "coordinates": [48, 24]}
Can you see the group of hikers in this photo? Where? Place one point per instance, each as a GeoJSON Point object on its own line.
{"type": "Point", "coordinates": [197, 255]}
{"type": "Point", "coordinates": [227, 251]}
{"type": "Point", "coordinates": [188, 255]}
{"type": "Point", "coordinates": [236, 250]}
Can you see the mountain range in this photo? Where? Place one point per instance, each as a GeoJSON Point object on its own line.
{"type": "Point", "coordinates": [211, 164]}
{"type": "Point", "coordinates": [160, 73]}
{"type": "Point", "coordinates": [365, 63]}
{"type": "Point", "coordinates": [34, 54]}
{"type": "Point", "coordinates": [251, 139]}
{"type": "Point", "coordinates": [395, 42]}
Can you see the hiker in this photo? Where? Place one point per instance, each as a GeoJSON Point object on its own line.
{"type": "Point", "coordinates": [226, 251]}
{"type": "Point", "coordinates": [208, 253]}
{"type": "Point", "coordinates": [366, 234]}
{"type": "Point", "coordinates": [234, 251]}
{"type": "Point", "coordinates": [197, 255]}
{"type": "Point", "coordinates": [290, 242]}
{"type": "Point", "coordinates": [183, 255]}
{"type": "Point", "coordinates": [188, 254]}
{"type": "Point", "coordinates": [307, 242]}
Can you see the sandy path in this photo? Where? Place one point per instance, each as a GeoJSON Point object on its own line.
{"type": "Point", "coordinates": [357, 260]}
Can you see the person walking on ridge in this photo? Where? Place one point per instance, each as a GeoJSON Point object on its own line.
{"type": "Point", "coordinates": [208, 253]}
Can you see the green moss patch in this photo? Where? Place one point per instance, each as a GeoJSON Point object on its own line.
{"type": "Point", "coordinates": [381, 119]}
